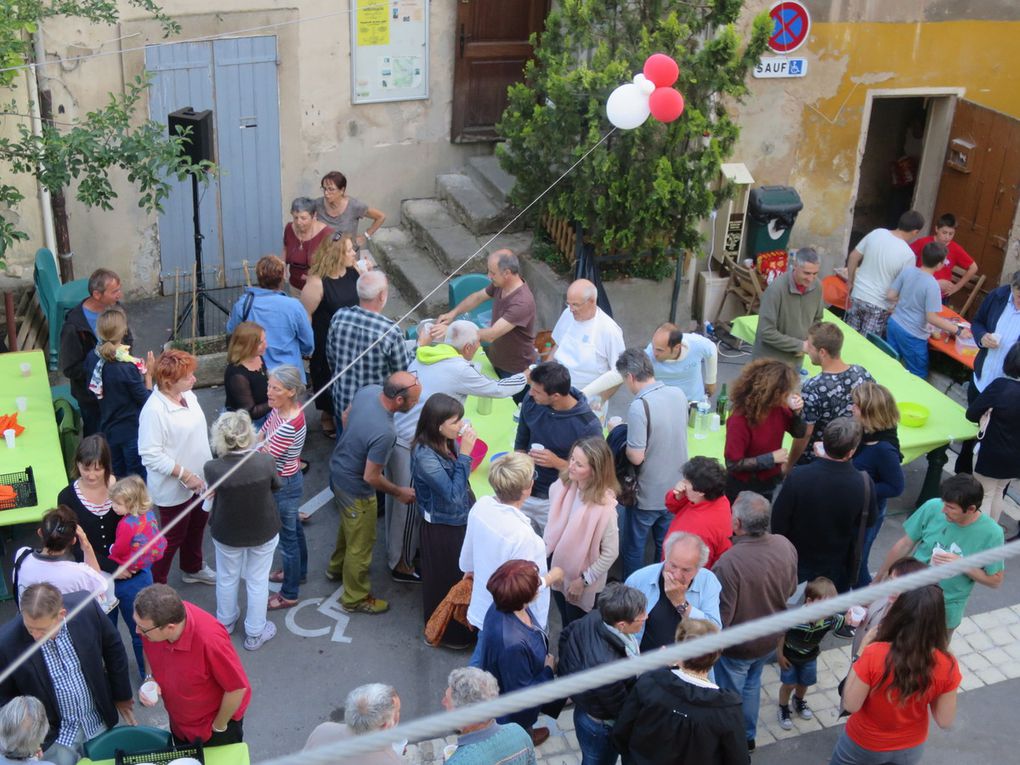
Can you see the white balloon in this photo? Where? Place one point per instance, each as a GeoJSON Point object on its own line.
{"type": "Point", "coordinates": [627, 106]}
{"type": "Point", "coordinates": [646, 85]}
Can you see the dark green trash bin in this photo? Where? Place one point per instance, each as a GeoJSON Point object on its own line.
{"type": "Point", "coordinates": [771, 213]}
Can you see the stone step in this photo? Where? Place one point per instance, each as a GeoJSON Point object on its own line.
{"type": "Point", "coordinates": [435, 230]}
{"type": "Point", "coordinates": [412, 273]}
{"type": "Point", "coordinates": [492, 178]}
{"type": "Point", "coordinates": [471, 205]}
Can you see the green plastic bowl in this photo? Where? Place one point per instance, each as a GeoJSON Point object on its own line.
{"type": "Point", "coordinates": [913, 415]}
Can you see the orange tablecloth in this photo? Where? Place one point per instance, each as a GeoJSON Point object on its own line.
{"type": "Point", "coordinates": [834, 291]}
{"type": "Point", "coordinates": [947, 343]}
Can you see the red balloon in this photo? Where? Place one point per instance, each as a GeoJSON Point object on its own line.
{"type": "Point", "coordinates": [661, 69]}
{"type": "Point", "coordinates": [666, 104]}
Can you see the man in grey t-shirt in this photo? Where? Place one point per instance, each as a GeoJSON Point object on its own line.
{"type": "Point", "coordinates": [356, 473]}
{"type": "Point", "coordinates": [661, 454]}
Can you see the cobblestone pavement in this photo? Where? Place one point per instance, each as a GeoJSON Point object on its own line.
{"type": "Point", "coordinates": [987, 646]}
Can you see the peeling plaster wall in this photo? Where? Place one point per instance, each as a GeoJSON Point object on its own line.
{"type": "Point", "coordinates": [389, 152]}
{"type": "Point", "coordinates": [807, 132]}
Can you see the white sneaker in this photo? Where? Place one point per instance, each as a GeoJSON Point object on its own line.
{"type": "Point", "coordinates": [204, 575]}
{"type": "Point", "coordinates": [254, 642]}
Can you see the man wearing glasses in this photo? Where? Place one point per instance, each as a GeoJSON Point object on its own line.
{"type": "Point", "coordinates": [356, 474]}
{"type": "Point", "coordinates": [194, 666]}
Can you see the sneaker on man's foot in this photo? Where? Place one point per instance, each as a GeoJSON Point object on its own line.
{"type": "Point", "coordinates": [802, 708]}
{"type": "Point", "coordinates": [407, 577]}
{"type": "Point", "coordinates": [369, 605]}
{"type": "Point", "coordinates": [204, 575]}
{"type": "Point", "coordinates": [785, 722]}
{"type": "Point", "coordinates": [254, 642]}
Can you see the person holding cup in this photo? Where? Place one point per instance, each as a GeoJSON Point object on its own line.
{"type": "Point", "coordinates": [440, 471]}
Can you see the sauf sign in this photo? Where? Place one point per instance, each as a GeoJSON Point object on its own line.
{"type": "Point", "coordinates": [780, 66]}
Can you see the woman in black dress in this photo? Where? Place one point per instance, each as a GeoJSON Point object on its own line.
{"type": "Point", "coordinates": [245, 380]}
{"type": "Point", "coordinates": [332, 284]}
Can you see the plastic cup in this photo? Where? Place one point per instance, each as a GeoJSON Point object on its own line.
{"type": "Point", "coordinates": [715, 423]}
{"type": "Point", "coordinates": [857, 614]}
{"type": "Point", "coordinates": [537, 447]}
{"type": "Point", "coordinates": [465, 423]}
{"type": "Point", "coordinates": [26, 369]}
{"type": "Point", "coordinates": [485, 405]}
{"type": "Point", "coordinates": [448, 751]}
{"type": "Point", "coordinates": [9, 436]}
{"type": "Point", "coordinates": [22, 403]}
{"type": "Point", "coordinates": [149, 692]}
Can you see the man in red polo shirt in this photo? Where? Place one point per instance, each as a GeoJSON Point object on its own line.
{"type": "Point", "coordinates": [945, 230]}
{"type": "Point", "coordinates": [198, 673]}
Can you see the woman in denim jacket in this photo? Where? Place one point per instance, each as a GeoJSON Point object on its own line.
{"type": "Point", "coordinates": [439, 473]}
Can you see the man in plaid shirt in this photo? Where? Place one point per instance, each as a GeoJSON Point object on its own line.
{"type": "Point", "coordinates": [353, 330]}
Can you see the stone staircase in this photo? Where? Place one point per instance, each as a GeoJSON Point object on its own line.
{"type": "Point", "coordinates": [436, 235]}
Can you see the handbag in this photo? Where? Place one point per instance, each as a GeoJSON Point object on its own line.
{"type": "Point", "coordinates": [627, 473]}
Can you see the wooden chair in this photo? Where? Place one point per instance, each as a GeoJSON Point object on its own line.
{"type": "Point", "coordinates": [971, 289]}
{"type": "Point", "coordinates": [745, 285]}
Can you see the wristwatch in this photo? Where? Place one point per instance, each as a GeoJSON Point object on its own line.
{"type": "Point", "coordinates": [682, 609]}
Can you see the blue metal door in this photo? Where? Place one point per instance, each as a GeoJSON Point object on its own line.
{"type": "Point", "coordinates": [241, 213]}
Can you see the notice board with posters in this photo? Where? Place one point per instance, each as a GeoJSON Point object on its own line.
{"type": "Point", "coordinates": [389, 50]}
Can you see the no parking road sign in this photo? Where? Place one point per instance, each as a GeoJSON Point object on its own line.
{"type": "Point", "coordinates": [790, 26]}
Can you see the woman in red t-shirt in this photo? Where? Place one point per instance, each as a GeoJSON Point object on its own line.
{"type": "Point", "coordinates": [766, 406]}
{"type": "Point", "coordinates": [906, 671]}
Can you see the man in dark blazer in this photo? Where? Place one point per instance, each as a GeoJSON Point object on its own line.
{"type": "Point", "coordinates": [82, 698]}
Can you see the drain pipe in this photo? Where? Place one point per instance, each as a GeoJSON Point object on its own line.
{"type": "Point", "coordinates": [45, 205]}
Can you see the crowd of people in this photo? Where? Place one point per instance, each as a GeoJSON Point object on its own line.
{"type": "Point", "coordinates": [702, 544]}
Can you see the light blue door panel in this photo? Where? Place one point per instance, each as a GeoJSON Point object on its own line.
{"type": "Point", "coordinates": [248, 126]}
{"type": "Point", "coordinates": [183, 76]}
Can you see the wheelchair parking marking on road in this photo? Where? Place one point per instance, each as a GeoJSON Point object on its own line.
{"type": "Point", "coordinates": [330, 608]}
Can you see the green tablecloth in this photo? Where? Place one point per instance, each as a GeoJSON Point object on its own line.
{"type": "Point", "coordinates": [947, 421]}
{"type": "Point", "coordinates": [39, 445]}
{"type": "Point", "coordinates": [497, 428]}
{"type": "Point", "coordinates": [231, 754]}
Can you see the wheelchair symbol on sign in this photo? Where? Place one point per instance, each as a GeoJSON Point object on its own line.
{"type": "Point", "coordinates": [330, 608]}
{"type": "Point", "coordinates": [795, 66]}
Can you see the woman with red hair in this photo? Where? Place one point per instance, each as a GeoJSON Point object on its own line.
{"type": "Point", "coordinates": [513, 647]}
{"type": "Point", "coordinates": [174, 447]}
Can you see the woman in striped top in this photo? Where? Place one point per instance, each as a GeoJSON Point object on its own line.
{"type": "Point", "coordinates": [283, 437]}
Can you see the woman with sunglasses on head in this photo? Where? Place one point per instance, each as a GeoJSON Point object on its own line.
{"type": "Point", "coordinates": [342, 212]}
{"type": "Point", "coordinates": [301, 238]}
{"type": "Point", "coordinates": [332, 284]}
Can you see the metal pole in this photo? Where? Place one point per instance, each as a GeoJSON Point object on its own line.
{"type": "Point", "coordinates": [199, 278]}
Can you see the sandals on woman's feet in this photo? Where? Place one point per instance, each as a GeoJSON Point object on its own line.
{"type": "Point", "coordinates": [277, 602]}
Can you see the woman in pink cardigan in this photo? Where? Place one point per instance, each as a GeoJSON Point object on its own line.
{"type": "Point", "coordinates": [581, 535]}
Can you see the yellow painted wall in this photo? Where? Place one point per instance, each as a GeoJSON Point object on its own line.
{"type": "Point", "coordinates": [806, 132]}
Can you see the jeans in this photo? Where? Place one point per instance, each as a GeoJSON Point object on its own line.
{"type": "Point", "coordinates": [849, 753]}
{"type": "Point", "coordinates": [354, 542]}
{"type": "Point", "coordinates": [594, 739]}
{"type": "Point", "coordinates": [186, 535]}
{"type": "Point", "coordinates": [254, 564]}
{"type": "Point", "coordinates": [126, 590]}
{"type": "Point", "coordinates": [913, 350]}
{"type": "Point", "coordinates": [870, 535]}
{"type": "Point", "coordinates": [293, 548]}
{"type": "Point", "coordinates": [636, 525]}
{"type": "Point", "coordinates": [744, 677]}
{"type": "Point", "coordinates": [568, 611]}
{"type": "Point", "coordinates": [124, 454]}
{"type": "Point", "coordinates": [59, 754]}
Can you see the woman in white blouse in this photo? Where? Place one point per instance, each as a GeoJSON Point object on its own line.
{"type": "Point", "coordinates": [174, 447]}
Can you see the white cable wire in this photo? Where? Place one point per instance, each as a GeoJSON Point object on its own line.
{"type": "Point", "coordinates": [442, 724]}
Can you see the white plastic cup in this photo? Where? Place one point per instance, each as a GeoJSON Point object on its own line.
{"type": "Point", "coordinates": [448, 751]}
{"type": "Point", "coordinates": [715, 423]}
{"type": "Point", "coordinates": [857, 614]}
{"type": "Point", "coordinates": [994, 337]}
{"type": "Point", "coordinates": [537, 447]}
{"type": "Point", "coordinates": [26, 369]}
{"type": "Point", "coordinates": [148, 694]}
{"type": "Point", "coordinates": [9, 436]}
{"type": "Point", "coordinates": [22, 403]}
{"type": "Point", "coordinates": [465, 423]}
